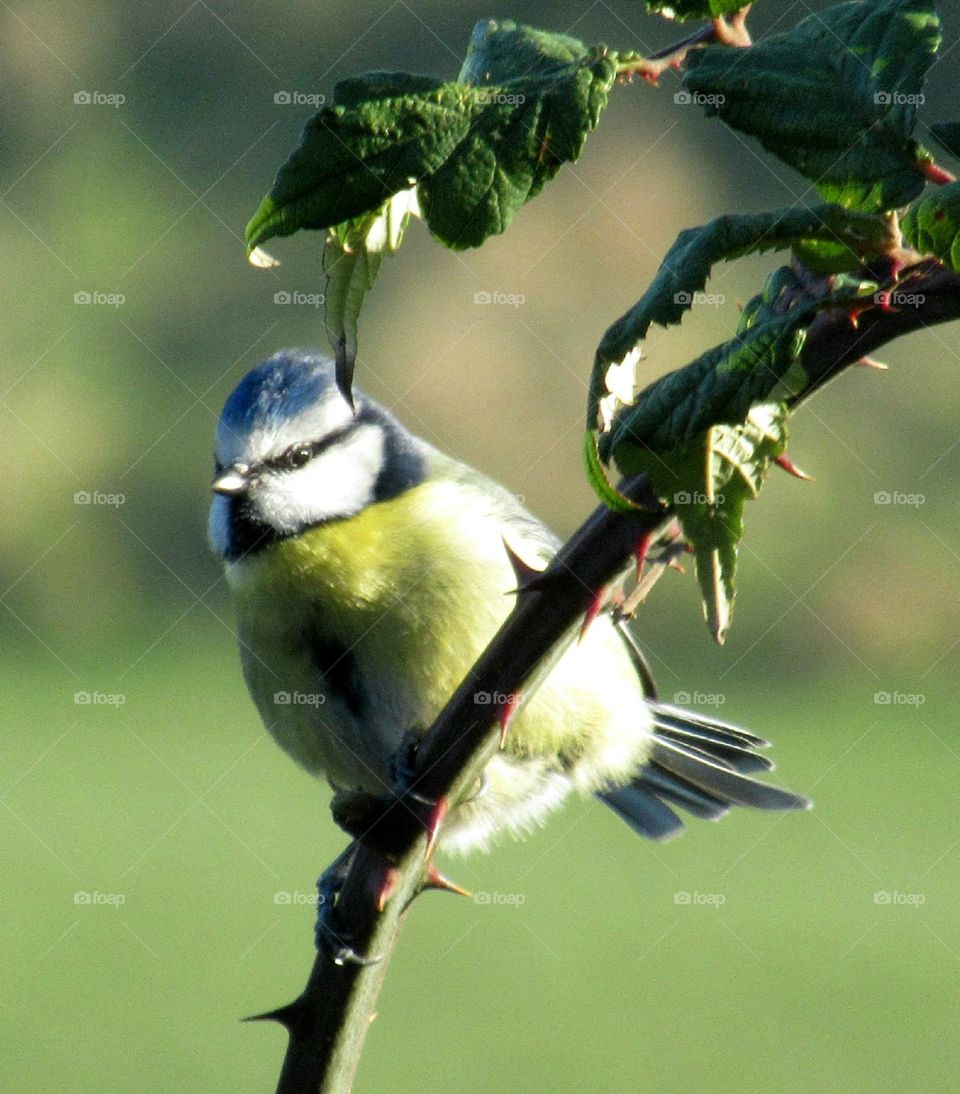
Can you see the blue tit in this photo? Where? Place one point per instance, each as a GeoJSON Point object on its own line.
{"type": "Point", "coordinates": [369, 571]}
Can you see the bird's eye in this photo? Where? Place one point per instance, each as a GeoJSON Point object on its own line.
{"type": "Point", "coordinates": [298, 456]}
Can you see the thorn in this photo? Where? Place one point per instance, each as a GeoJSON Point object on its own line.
{"type": "Point", "coordinates": [854, 315]}
{"type": "Point", "coordinates": [526, 575]}
{"type": "Point", "coordinates": [592, 612]}
{"type": "Point", "coordinates": [870, 362]}
{"type": "Point", "coordinates": [641, 550]}
{"type": "Point", "coordinates": [883, 300]}
{"type": "Point", "coordinates": [897, 266]}
{"type": "Point", "coordinates": [676, 564]}
{"type": "Point", "coordinates": [932, 172]}
{"type": "Point", "coordinates": [388, 887]}
{"type": "Point", "coordinates": [541, 580]}
{"type": "Point", "coordinates": [507, 711]}
{"type": "Point", "coordinates": [440, 810]}
{"type": "Point", "coordinates": [789, 466]}
{"type": "Point", "coordinates": [286, 1015]}
{"type": "Point", "coordinates": [436, 880]}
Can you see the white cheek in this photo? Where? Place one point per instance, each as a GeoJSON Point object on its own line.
{"type": "Point", "coordinates": [337, 483]}
{"type": "Point", "coordinates": [218, 526]}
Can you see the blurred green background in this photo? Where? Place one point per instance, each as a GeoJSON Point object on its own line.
{"type": "Point", "coordinates": [159, 852]}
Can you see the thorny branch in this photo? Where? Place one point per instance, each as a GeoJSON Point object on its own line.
{"type": "Point", "coordinates": [391, 865]}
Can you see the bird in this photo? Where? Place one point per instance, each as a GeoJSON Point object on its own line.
{"type": "Point", "coordinates": [369, 570]}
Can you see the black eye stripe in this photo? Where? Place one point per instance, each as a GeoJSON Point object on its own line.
{"type": "Point", "coordinates": [301, 453]}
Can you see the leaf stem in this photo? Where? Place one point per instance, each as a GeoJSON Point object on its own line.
{"type": "Point", "coordinates": [732, 32]}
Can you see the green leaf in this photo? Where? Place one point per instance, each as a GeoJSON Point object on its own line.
{"type": "Point", "coordinates": [687, 265]}
{"type": "Point", "coordinates": [836, 98]}
{"type": "Point", "coordinates": [706, 435]}
{"type": "Point", "coordinates": [520, 137]}
{"type": "Point", "coordinates": [351, 261]}
{"type": "Point", "coordinates": [382, 133]}
{"type": "Point", "coordinates": [477, 152]}
{"type": "Point", "coordinates": [708, 482]}
{"type": "Point", "coordinates": [948, 134]}
{"type": "Point", "coordinates": [607, 493]}
{"type": "Point", "coordinates": [932, 226]}
{"type": "Point", "coordinates": [758, 365]}
{"type": "Point", "coordinates": [501, 51]}
{"type": "Point", "coordinates": [727, 470]}
{"type": "Point", "coordinates": [694, 9]}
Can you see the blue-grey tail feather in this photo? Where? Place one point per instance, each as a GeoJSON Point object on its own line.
{"type": "Point", "coordinates": [698, 764]}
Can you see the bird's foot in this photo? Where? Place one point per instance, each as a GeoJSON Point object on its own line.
{"type": "Point", "coordinates": [331, 936]}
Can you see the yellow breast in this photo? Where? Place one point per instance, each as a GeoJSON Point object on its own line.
{"type": "Point", "coordinates": [412, 589]}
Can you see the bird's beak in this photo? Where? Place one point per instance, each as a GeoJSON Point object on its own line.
{"type": "Point", "coordinates": [232, 482]}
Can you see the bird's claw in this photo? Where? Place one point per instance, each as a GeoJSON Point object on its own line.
{"type": "Point", "coordinates": [330, 936]}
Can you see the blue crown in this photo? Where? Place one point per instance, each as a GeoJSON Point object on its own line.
{"type": "Point", "coordinates": [282, 387]}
